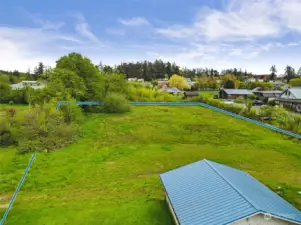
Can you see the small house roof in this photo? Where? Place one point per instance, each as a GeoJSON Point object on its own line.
{"type": "Point", "coordinates": [207, 192]}
{"type": "Point", "coordinates": [191, 93]}
{"type": "Point", "coordinates": [269, 92]}
{"type": "Point", "coordinates": [171, 89]}
{"type": "Point", "coordinates": [238, 91]}
{"type": "Point", "coordinates": [296, 91]}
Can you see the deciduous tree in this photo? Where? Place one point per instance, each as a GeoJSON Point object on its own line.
{"type": "Point", "coordinates": [178, 82]}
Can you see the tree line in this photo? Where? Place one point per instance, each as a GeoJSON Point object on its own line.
{"type": "Point", "coordinates": [149, 71]}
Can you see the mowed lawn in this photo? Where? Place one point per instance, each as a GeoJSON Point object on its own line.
{"type": "Point", "coordinates": [111, 176]}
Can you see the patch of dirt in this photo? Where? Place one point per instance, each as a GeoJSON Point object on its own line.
{"type": "Point", "coordinates": [5, 198]}
{"type": "Point", "coordinates": [4, 206]}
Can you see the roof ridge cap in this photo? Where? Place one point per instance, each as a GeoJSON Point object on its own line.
{"type": "Point", "coordinates": [232, 185]}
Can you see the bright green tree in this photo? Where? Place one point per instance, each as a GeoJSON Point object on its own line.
{"type": "Point", "coordinates": [5, 92]}
{"type": "Point", "coordinates": [295, 82]}
{"type": "Point", "coordinates": [84, 68]}
{"type": "Point", "coordinates": [178, 82]}
{"type": "Point", "coordinates": [72, 83]}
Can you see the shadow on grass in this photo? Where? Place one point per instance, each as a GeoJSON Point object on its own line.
{"type": "Point", "coordinates": [160, 212]}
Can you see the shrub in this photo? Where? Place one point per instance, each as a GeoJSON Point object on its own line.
{"type": "Point", "coordinates": [240, 100]}
{"type": "Point", "coordinates": [5, 92]}
{"type": "Point", "coordinates": [6, 137]}
{"type": "Point", "coordinates": [116, 103]}
{"type": "Point", "coordinates": [272, 103]}
{"type": "Point", "coordinates": [71, 113]}
{"type": "Point", "coordinates": [252, 97]}
{"type": "Point", "coordinates": [42, 128]}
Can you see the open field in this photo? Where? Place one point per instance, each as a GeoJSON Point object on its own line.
{"type": "Point", "coordinates": [111, 176]}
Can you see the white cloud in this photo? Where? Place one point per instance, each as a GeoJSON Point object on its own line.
{"type": "Point", "coordinates": [247, 34]}
{"type": "Point", "coordinates": [289, 11]}
{"type": "Point", "coordinates": [83, 28]}
{"type": "Point", "coordinates": [135, 21]}
{"type": "Point", "coordinates": [23, 47]}
{"type": "Point", "coordinates": [45, 24]}
{"type": "Point", "coordinates": [241, 20]}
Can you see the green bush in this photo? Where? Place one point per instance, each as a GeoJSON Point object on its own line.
{"type": "Point", "coordinates": [72, 113]}
{"type": "Point", "coordinates": [43, 128]}
{"type": "Point", "coordinates": [240, 100]}
{"type": "Point", "coordinates": [252, 97]}
{"type": "Point", "coordinates": [116, 103]}
{"type": "Point", "coordinates": [6, 137]}
{"type": "Point", "coordinates": [272, 103]}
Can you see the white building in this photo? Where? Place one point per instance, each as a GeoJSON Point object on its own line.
{"type": "Point", "coordinates": [25, 83]}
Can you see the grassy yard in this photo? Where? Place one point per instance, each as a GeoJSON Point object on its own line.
{"type": "Point", "coordinates": [111, 176]}
{"type": "Point", "coordinates": [14, 106]}
{"type": "Point", "coordinates": [208, 93]}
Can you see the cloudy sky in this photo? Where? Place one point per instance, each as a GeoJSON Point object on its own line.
{"type": "Point", "coordinates": [247, 34]}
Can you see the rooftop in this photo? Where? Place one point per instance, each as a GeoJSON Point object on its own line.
{"type": "Point", "coordinates": [296, 91]}
{"type": "Point", "coordinates": [238, 91]}
{"type": "Point", "coordinates": [171, 89]}
{"type": "Point", "coordinates": [206, 192]}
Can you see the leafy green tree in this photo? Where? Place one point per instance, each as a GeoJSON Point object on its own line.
{"type": "Point", "coordinates": [16, 73]}
{"type": "Point", "coordinates": [116, 103]}
{"type": "Point", "coordinates": [289, 73]}
{"type": "Point", "coordinates": [299, 72]}
{"type": "Point", "coordinates": [229, 84]}
{"type": "Point", "coordinates": [154, 83]}
{"type": "Point", "coordinates": [178, 82]}
{"type": "Point", "coordinates": [84, 68]}
{"type": "Point", "coordinates": [39, 70]}
{"type": "Point", "coordinates": [109, 83]}
{"type": "Point", "coordinates": [295, 82]}
{"type": "Point", "coordinates": [273, 72]}
{"type": "Point", "coordinates": [73, 84]}
{"type": "Point", "coordinates": [5, 92]}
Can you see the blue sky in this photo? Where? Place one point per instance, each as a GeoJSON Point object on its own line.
{"type": "Point", "coordinates": [247, 34]}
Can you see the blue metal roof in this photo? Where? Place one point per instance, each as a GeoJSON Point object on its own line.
{"type": "Point", "coordinates": [206, 192]}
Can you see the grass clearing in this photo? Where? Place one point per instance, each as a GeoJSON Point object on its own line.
{"type": "Point", "coordinates": [111, 176]}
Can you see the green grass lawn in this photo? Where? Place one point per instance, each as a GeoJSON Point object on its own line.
{"type": "Point", "coordinates": [208, 93]}
{"type": "Point", "coordinates": [14, 106]}
{"type": "Point", "coordinates": [111, 176]}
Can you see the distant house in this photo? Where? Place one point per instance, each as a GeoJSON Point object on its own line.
{"type": "Point", "coordinates": [141, 80]}
{"type": "Point", "coordinates": [277, 83]}
{"type": "Point", "coordinates": [132, 79]}
{"type": "Point", "coordinates": [261, 76]}
{"type": "Point", "coordinates": [190, 94]}
{"type": "Point", "coordinates": [163, 83]}
{"type": "Point", "coordinates": [170, 90]}
{"type": "Point", "coordinates": [269, 94]}
{"type": "Point", "coordinates": [25, 83]}
{"type": "Point", "coordinates": [209, 193]}
{"type": "Point", "coordinates": [291, 98]}
{"type": "Point", "coordinates": [234, 93]}
{"type": "Point", "coordinates": [189, 82]}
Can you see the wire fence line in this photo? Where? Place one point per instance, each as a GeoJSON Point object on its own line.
{"type": "Point", "coordinates": [18, 189]}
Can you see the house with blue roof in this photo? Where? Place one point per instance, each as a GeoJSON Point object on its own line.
{"type": "Point", "coordinates": [209, 193]}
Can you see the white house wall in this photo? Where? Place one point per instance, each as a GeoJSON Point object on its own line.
{"type": "Point", "coordinates": [259, 220]}
{"type": "Point", "coordinates": [171, 210]}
